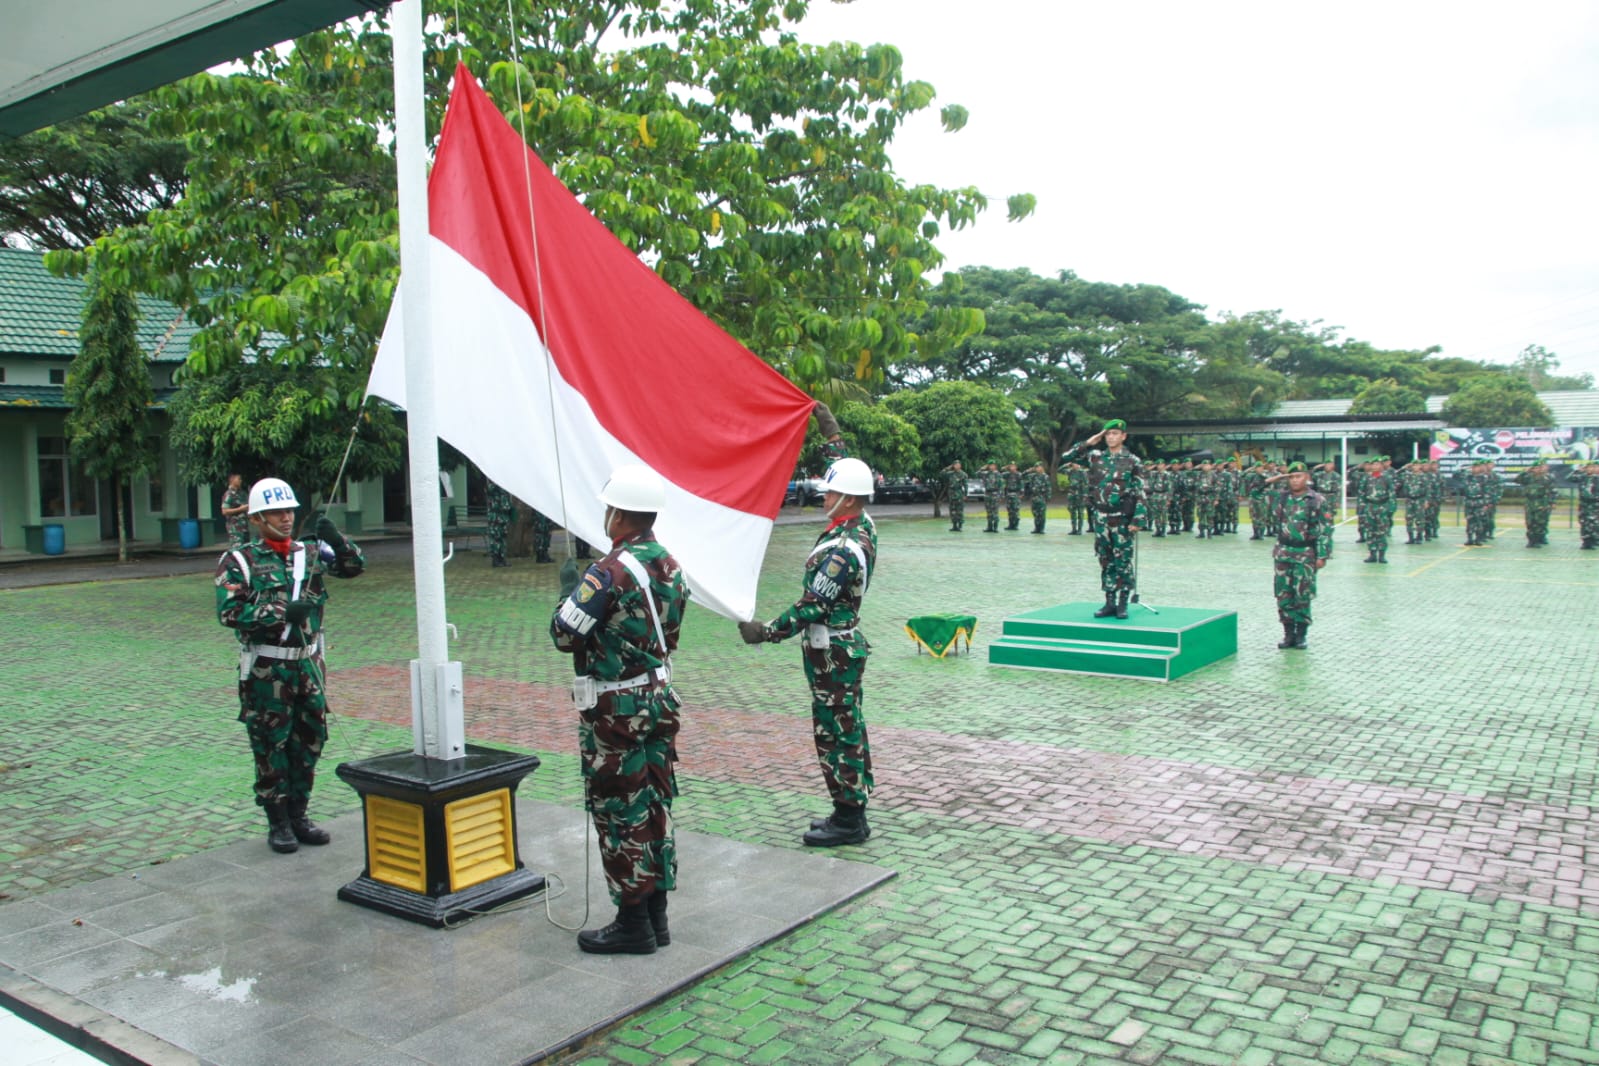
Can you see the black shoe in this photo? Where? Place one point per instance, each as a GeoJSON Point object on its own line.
{"type": "Point", "coordinates": [1371, 556]}
{"type": "Point", "coordinates": [542, 559]}
{"type": "Point", "coordinates": [280, 834]}
{"type": "Point", "coordinates": [1288, 637]}
{"type": "Point", "coordinates": [1121, 605]}
{"type": "Point", "coordinates": [1382, 557]}
{"type": "Point", "coordinates": [1109, 608]}
{"type": "Point", "coordinates": [1159, 534]}
{"type": "Point", "coordinates": [1588, 547]}
{"type": "Point", "coordinates": [657, 908]}
{"type": "Point", "coordinates": [846, 826]}
{"type": "Point", "coordinates": [1075, 533]}
{"type": "Point", "coordinates": [1255, 536]}
{"type": "Point", "coordinates": [1299, 636]}
{"type": "Point", "coordinates": [1038, 531]}
{"type": "Point", "coordinates": [305, 831]}
{"type": "Point", "coordinates": [631, 934]}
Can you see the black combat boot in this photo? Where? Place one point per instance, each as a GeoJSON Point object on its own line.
{"type": "Point", "coordinates": [631, 934]}
{"type": "Point", "coordinates": [1382, 556]}
{"type": "Point", "coordinates": [1109, 608]}
{"type": "Point", "coordinates": [305, 831]}
{"type": "Point", "coordinates": [280, 835]}
{"type": "Point", "coordinates": [1121, 604]}
{"type": "Point", "coordinates": [657, 909]}
{"type": "Point", "coordinates": [1371, 556]}
{"type": "Point", "coordinates": [1299, 636]}
{"type": "Point", "coordinates": [846, 826]}
{"type": "Point", "coordinates": [1288, 637]}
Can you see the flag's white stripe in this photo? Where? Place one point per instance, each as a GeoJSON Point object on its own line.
{"type": "Point", "coordinates": [494, 405]}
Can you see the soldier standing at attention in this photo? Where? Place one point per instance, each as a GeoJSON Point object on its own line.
{"type": "Point", "coordinates": [1183, 498]}
{"type": "Point", "coordinates": [993, 481]}
{"type": "Point", "coordinates": [1304, 544]}
{"type": "Point", "coordinates": [956, 479]}
{"type": "Point", "coordinates": [1476, 498]}
{"type": "Point", "coordinates": [501, 508]}
{"type": "Point", "coordinates": [827, 614]}
{"type": "Point", "coordinates": [620, 624]}
{"type": "Point", "coordinates": [1377, 493]}
{"type": "Point", "coordinates": [1410, 486]}
{"type": "Point", "coordinates": [271, 593]}
{"type": "Point", "coordinates": [1205, 489]}
{"type": "Point", "coordinates": [1496, 492]}
{"type": "Point", "coordinates": [1157, 495]}
{"type": "Point", "coordinates": [1013, 496]}
{"type": "Point", "coordinates": [1118, 501]}
{"type": "Point", "coordinates": [1076, 496]}
{"type": "Point", "coordinates": [1254, 485]}
{"type": "Point", "coordinates": [1036, 484]}
{"type": "Point", "coordinates": [1586, 478]}
{"type": "Point", "coordinates": [236, 511]}
{"type": "Point", "coordinates": [541, 538]}
{"type": "Point", "coordinates": [1538, 492]}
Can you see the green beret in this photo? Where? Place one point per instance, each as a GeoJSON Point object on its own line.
{"type": "Point", "coordinates": [1114, 423]}
{"type": "Point", "coordinates": [1296, 468]}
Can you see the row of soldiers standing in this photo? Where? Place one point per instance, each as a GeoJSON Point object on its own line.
{"type": "Point", "coordinates": [1009, 485]}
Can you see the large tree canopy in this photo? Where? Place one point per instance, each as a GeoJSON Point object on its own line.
{"type": "Point", "coordinates": [1496, 400]}
{"type": "Point", "coordinates": [959, 420]}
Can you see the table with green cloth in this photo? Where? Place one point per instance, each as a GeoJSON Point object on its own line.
{"type": "Point", "coordinates": [940, 633]}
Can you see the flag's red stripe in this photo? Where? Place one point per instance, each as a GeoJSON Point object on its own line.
{"type": "Point", "coordinates": [662, 378]}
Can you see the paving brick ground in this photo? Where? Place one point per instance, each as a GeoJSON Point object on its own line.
{"type": "Point", "coordinates": [1381, 850]}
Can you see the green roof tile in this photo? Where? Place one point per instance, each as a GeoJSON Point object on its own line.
{"type": "Point", "coordinates": [40, 313]}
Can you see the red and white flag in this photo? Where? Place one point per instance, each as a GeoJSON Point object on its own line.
{"type": "Point", "coordinates": [559, 356]}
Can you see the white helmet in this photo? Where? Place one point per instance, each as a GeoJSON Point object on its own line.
{"type": "Point", "coordinates": [271, 494]}
{"type": "Point", "coordinates": [849, 476]}
{"type": "Point", "coordinates": [634, 488]}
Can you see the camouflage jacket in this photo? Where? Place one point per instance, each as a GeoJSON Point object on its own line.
{"type": "Point", "coordinates": [837, 574]}
{"type": "Point", "coordinates": [1476, 489]}
{"type": "Point", "coordinates": [255, 584]}
{"type": "Point", "coordinates": [1013, 481]}
{"type": "Point", "coordinates": [993, 481]}
{"type": "Point", "coordinates": [1587, 488]}
{"type": "Point", "coordinates": [1326, 482]}
{"type": "Point", "coordinates": [1377, 488]}
{"type": "Point", "coordinates": [1035, 483]}
{"type": "Point", "coordinates": [1304, 522]}
{"type": "Point", "coordinates": [956, 480]}
{"type": "Point", "coordinates": [606, 624]}
{"type": "Point", "coordinates": [1537, 489]}
{"type": "Point", "coordinates": [238, 524]}
{"type": "Point", "coordinates": [1116, 482]}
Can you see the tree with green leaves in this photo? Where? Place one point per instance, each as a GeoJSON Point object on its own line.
{"type": "Point", "coordinates": [881, 439]}
{"type": "Point", "coordinates": [958, 420]}
{"type": "Point", "coordinates": [750, 169]}
{"type": "Point", "coordinates": [1385, 396]}
{"type": "Point", "coordinates": [1496, 400]}
{"type": "Point", "coordinates": [65, 186]}
{"type": "Point", "coordinates": [108, 386]}
{"type": "Point", "coordinates": [1537, 365]}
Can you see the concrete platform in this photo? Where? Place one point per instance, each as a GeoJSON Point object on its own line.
{"type": "Point", "coordinates": [239, 956]}
{"type": "Point", "coordinates": [1154, 645]}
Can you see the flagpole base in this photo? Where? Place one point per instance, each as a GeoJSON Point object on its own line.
{"type": "Point", "coordinates": [441, 834]}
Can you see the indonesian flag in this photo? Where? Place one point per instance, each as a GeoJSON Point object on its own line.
{"type": "Point", "coordinates": [560, 356]}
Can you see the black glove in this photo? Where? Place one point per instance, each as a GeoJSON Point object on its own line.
{"type": "Point", "coordinates": [296, 612]}
{"type": "Point", "coordinates": [826, 424]}
{"type": "Point", "coordinates": [329, 534]}
{"type": "Point", "coordinates": [752, 632]}
{"type": "Point", "coordinates": [569, 576]}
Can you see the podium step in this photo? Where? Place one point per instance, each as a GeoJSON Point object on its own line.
{"type": "Point", "coordinates": [1153, 645]}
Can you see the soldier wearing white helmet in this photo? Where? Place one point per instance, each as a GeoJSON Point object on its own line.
{"type": "Point", "coordinates": [827, 613]}
{"type": "Point", "coordinates": [270, 591]}
{"type": "Point", "coordinates": [620, 624]}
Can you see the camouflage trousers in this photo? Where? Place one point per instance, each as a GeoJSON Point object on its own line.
{"type": "Point", "coordinates": [541, 538]}
{"type": "Point", "coordinates": [834, 674]}
{"type": "Point", "coordinates": [1076, 509]}
{"type": "Point", "coordinates": [497, 526]}
{"type": "Point", "coordinates": [627, 744]}
{"type": "Point", "coordinates": [1293, 582]}
{"type": "Point", "coordinates": [1013, 510]}
{"type": "Point", "coordinates": [1432, 507]}
{"type": "Point", "coordinates": [1205, 514]}
{"type": "Point", "coordinates": [1588, 523]}
{"type": "Point", "coordinates": [1374, 523]}
{"type": "Point", "coordinates": [1257, 516]}
{"type": "Point", "coordinates": [957, 512]}
{"type": "Point", "coordinates": [1415, 520]}
{"type": "Point", "coordinates": [1538, 523]}
{"type": "Point", "coordinates": [1157, 505]}
{"type": "Point", "coordinates": [991, 510]}
{"type": "Point", "coordinates": [285, 714]}
{"type": "Point", "coordinates": [1478, 522]}
{"type": "Point", "coordinates": [1040, 512]}
{"type": "Point", "coordinates": [1113, 546]}
{"type": "Point", "coordinates": [1185, 506]}
{"type": "Point", "coordinates": [1174, 514]}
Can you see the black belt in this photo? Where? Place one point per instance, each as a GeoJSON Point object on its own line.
{"type": "Point", "coordinates": [1296, 543]}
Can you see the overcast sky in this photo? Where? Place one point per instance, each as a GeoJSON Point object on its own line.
{"type": "Point", "coordinates": [1415, 173]}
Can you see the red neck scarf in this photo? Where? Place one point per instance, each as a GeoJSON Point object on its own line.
{"type": "Point", "coordinates": [282, 547]}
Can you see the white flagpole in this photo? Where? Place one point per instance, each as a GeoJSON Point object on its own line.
{"type": "Point", "coordinates": [437, 715]}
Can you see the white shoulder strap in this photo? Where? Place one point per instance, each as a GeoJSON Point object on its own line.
{"type": "Point", "coordinates": [642, 577]}
{"type": "Point", "coordinates": [243, 563]}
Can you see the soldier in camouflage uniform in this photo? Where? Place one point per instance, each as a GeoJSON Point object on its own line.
{"type": "Point", "coordinates": [271, 593]}
{"type": "Point", "coordinates": [1409, 485]}
{"type": "Point", "coordinates": [1117, 476]}
{"type": "Point", "coordinates": [955, 478]}
{"type": "Point", "coordinates": [1076, 496]}
{"type": "Point", "coordinates": [1538, 493]}
{"type": "Point", "coordinates": [500, 509]}
{"type": "Point", "coordinates": [541, 538]}
{"type": "Point", "coordinates": [993, 481]}
{"type": "Point", "coordinates": [1036, 484]}
{"type": "Point", "coordinates": [620, 624]}
{"type": "Point", "coordinates": [1227, 479]}
{"type": "Point", "coordinates": [1476, 497]}
{"type": "Point", "coordinates": [837, 574]}
{"type": "Point", "coordinates": [1013, 496]}
{"type": "Point", "coordinates": [1254, 487]}
{"type": "Point", "coordinates": [1304, 544]}
{"type": "Point", "coordinates": [1377, 494]}
{"type": "Point", "coordinates": [1183, 498]}
{"type": "Point", "coordinates": [1496, 492]}
{"type": "Point", "coordinates": [1205, 488]}
{"type": "Point", "coordinates": [236, 511]}
{"type": "Point", "coordinates": [1157, 495]}
{"type": "Point", "coordinates": [1586, 479]}
{"type": "Point", "coordinates": [1435, 498]}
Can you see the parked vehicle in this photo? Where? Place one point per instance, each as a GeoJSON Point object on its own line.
{"type": "Point", "coordinates": [805, 491]}
{"type": "Point", "coordinates": [904, 490]}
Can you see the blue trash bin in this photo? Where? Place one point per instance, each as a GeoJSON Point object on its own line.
{"type": "Point", "coordinates": [55, 539]}
{"type": "Point", "coordinates": [189, 533]}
